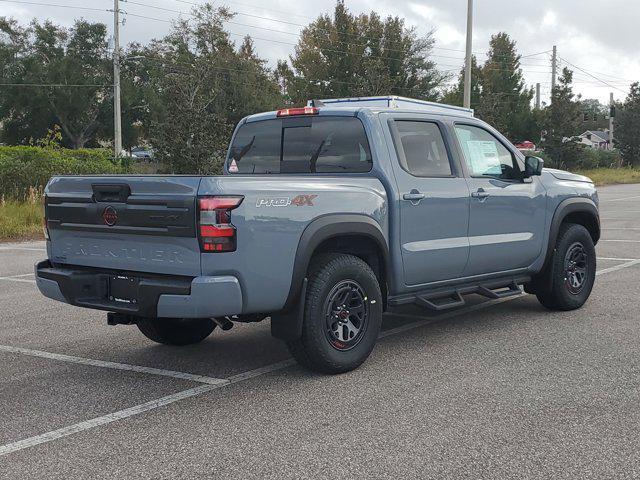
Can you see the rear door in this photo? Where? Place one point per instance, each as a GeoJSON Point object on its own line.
{"type": "Point", "coordinates": [434, 202]}
{"type": "Point", "coordinates": [142, 224]}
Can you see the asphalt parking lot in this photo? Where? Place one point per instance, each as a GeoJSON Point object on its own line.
{"type": "Point", "coordinates": [498, 389]}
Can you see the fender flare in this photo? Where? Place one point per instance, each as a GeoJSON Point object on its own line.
{"type": "Point", "coordinates": [566, 207]}
{"type": "Point", "coordinates": [287, 324]}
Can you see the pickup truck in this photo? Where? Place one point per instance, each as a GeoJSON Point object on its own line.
{"type": "Point", "coordinates": [325, 216]}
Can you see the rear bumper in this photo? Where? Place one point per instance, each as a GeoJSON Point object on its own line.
{"type": "Point", "coordinates": [157, 295]}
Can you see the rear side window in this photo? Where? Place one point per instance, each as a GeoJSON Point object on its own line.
{"type": "Point", "coordinates": [301, 145]}
{"type": "Point", "coordinates": [423, 153]}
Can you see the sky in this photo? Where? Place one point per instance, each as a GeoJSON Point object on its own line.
{"type": "Point", "coordinates": [596, 39]}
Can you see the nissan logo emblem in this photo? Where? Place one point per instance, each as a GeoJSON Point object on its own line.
{"type": "Point", "coordinates": [110, 216]}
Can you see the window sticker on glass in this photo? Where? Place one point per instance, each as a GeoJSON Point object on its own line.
{"type": "Point", "coordinates": [484, 157]}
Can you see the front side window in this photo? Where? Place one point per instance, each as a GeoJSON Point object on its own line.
{"type": "Point", "coordinates": [301, 145]}
{"type": "Point", "coordinates": [485, 155]}
{"type": "Point", "coordinates": [423, 151]}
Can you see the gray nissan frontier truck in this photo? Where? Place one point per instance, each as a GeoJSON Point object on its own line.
{"type": "Point", "coordinates": [325, 216]}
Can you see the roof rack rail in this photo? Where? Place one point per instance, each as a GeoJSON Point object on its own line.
{"type": "Point", "coordinates": [392, 101]}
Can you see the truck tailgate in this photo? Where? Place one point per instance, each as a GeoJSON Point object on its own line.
{"type": "Point", "coordinates": [140, 224]}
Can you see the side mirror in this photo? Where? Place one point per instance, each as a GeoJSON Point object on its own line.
{"type": "Point", "coordinates": [532, 166]}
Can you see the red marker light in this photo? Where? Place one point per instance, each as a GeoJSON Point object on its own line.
{"type": "Point", "coordinates": [289, 112]}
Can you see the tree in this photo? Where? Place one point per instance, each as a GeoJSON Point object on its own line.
{"type": "Point", "coordinates": [594, 114]}
{"type": "Point", "coordinates": [51, 55]}
{"type": "Point", "coordinates": [562, 122]}
{"type": "Point", "coordinates": [627, 132]}
{"type": "Point", "coordinates": [455, 96]}
{"type": "Point", "coordinates": [505, 102]}
{"type": "Point", "coordinates": [360, 56]}
{"type": "Point", "coordinates": [197, 87]}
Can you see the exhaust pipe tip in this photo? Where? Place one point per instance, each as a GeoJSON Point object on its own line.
{"type": "Point", "coordinates": [223, 322]}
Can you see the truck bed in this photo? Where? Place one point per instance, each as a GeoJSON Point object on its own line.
{"type": "Point", "coordinates": [156, 224]}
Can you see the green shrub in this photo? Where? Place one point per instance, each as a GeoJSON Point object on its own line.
{"type": "Point", "coordinates": [585, 159]}
{"type": "Point", "coordinates": [600, 159]}
{"type": "Point", "coordinates": [24, 168]}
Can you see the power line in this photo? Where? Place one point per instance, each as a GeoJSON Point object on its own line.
{"type": "Point", "coordinates": [305, 26]}
{"type": "Point", "coordinates": [296, 34]}
{"type": "Point", "coordinates": [173, 63]}
{"type": "Point", "coordinates": [58, 5]}
{"type": "Point", "coordinates": [231, 33]}
{"type": "Point", "coordinates": [592, 76]}
{"type": "Point", "coordinates": [625, 80]}
{"type": "Point", "coordinates": [54, 85]}
{"type": "Point", "coordinates": [284, 42]}
{"type": "Point", "coordinates": [609, 83]}
{"type": "Point", "coordinates": [237, 23]}
{"type": "Point", "coordinates": [309, 87]}
{"type": "Point", "coordinates": [261, 7]}
{"type": "Point", "coordinates": [277, 41]}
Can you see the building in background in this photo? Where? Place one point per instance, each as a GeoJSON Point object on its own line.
{"type": "Point", "coordinates": [598, 139]}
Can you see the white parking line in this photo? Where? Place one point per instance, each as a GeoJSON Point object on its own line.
{"type": "Point", "coordinates": [26, 249]}
{"type": "Point", "coordinates": [621, 241]}
{"type": "Point", "coordinates": [192, 392]}
{"type": "Point", "coordinates": [113, 365]}
{"type": "Point", "coordinates": [96, 422]}
{"type": "Point", "coordinates": [616, 259]}
{"type": "Point", "coordinates": [630, 263]}
{"type": "Point", "coordinates": [17, 279]}
{"type": "Point", "coordinates": [617, 211]}
{"type": "Point", "coordinates": [621, 199]}
{"type": "Point", "coordinates": [11, 277]}
{"type": "Point", "coordinates": [137, 409]}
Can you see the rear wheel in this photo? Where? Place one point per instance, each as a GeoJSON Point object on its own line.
{"type": "Point", "coordinates": [571, 272]}
{"type": "Point", "coordinates": [176, 331]}
{"type": "Point", "coordinates": [342, 315]}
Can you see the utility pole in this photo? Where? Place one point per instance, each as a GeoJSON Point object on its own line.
{"type": "Point", "coordinates": [554, 67]}
{"type": "Point", "coordinates": [537, 96]}
{"type": "Point", "coordinates": [117, 114]}
{"type": "Point", "coordinates": [612, 112]}
{"type": "Point", "coordinates": [467, 65]}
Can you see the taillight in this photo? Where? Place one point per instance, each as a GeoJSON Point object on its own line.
{"type": "Point", "coordinates": [288, 112]}
{"type": "Point", "coordinates": [45, 226]}
{"type": "Point", "coordinates": [217, 233]}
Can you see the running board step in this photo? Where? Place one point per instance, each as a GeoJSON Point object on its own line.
{"type": "Point", "coordinates": [452, 297]}
{"type": "Point", "coordinates": [510, 291]}
{"type": "Point", "coordinates": [455, 300]}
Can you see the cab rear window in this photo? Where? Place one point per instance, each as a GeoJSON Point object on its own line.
{"type": "Point", "coordinates": [300, 145]}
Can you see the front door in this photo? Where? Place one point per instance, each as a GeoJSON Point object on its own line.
{"type": "Point", "coordinates": [507, 213]}
{"type": "Point", "coordinates": [434, 204]}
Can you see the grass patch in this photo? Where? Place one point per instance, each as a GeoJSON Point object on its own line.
{"type": "Point", "coordinates": [611, 176]}
{"type": "Point", "coordinates": [20, 220]}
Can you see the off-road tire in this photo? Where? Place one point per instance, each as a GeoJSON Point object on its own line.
{"type": "Point", "coordinates": [555, 289]}
{"type": "Point", "coordinates": [315, 349]}
{"type": "Point", "coordinates": [176, 331]}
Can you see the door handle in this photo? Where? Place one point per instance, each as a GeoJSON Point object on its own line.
{"type": "Point", "coordinates": [480, 193]}
{"type": "Point", "coordinates": [413, 196]}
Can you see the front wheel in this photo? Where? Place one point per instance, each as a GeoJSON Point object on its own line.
{"type": "Point", "coordinates": [176, 331]}
{"type": "Point", "coordinates": [342, 315]}
{"type": "Point", "coordinates": [571, 272]}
